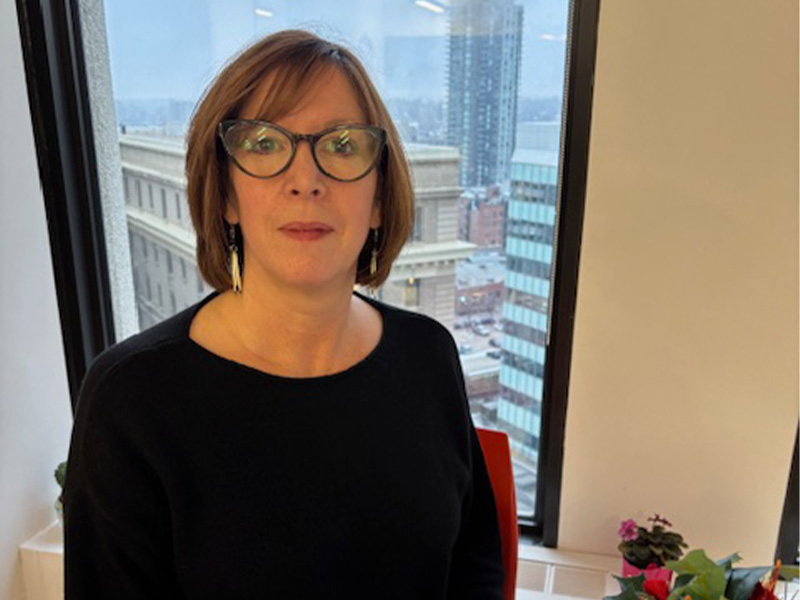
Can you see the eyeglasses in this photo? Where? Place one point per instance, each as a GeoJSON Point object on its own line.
{"type": "Point", "coordinates": [264, 150]}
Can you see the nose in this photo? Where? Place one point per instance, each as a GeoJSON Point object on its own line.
{"type": "Point", "coordinates": [303, 177]}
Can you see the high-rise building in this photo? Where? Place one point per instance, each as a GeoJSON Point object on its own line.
{"type": "Point", "coordinates": [485, 44]}
{"type": "Point", "coordinates": [529, 259]}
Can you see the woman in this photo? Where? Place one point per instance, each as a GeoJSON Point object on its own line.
{"type": "Point", "coordinates": [286, 436]}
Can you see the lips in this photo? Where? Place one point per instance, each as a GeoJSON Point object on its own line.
{"type": "Point", "coordinates": [308, 226]}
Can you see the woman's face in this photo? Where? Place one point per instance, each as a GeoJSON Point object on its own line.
{"type": "Point", "coordinates": [303, 193]}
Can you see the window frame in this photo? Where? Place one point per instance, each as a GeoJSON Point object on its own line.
{"type": "Point", "coordinates": [58, 98]}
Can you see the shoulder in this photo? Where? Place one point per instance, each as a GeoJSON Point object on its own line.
{"type": "Point", "coordinates": [129, 362]}
{"type": "Point", "coordinates": [421, 333]}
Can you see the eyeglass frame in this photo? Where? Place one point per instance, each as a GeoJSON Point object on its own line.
{"type": "Point", "coordinates": [312, 138]}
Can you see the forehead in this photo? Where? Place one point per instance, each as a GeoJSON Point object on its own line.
{"type": "Point", "coordinates": [325, 94]}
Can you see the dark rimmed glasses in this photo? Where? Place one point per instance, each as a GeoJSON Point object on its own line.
{"type": "Point", "coordinates": [264, 150]}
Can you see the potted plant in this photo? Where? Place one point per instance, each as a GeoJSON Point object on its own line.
{"type": "Point", "coordinates": [647, 551]}
{"type": "Point", "coordinates": [700, 578]}
{"type": "Point", "coordinates": [60, 473]}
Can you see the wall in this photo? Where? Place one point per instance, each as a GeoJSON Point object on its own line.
{"type": "Point", "coordinates": [35, 415]}
{"type": "Point", "coordinates": [684, 386]}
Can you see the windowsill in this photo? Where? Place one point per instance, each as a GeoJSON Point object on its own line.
{"type": "Point", "coordinates": [542, 573]}
{"type": "Point", "coordinates": [537, 571]}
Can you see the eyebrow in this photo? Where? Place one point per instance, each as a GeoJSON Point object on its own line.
{"type": "Point", "coordinates": [347, 121]}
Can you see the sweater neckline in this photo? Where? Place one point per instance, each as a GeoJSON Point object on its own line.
{"type": "Point", "coordinates": [244, 369]}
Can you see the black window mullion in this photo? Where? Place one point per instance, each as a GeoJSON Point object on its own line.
{"type": "Point", "coordinates": [62, 127]}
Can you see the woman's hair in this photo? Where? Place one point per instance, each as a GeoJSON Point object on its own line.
{"type": "Point", "coordinates": [295, 59]}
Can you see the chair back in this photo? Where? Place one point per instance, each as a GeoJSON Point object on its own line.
{"type": "Point", "coordinates": [497, 454]}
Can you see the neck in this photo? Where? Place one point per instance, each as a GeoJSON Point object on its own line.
{"type": "Point", "coordinates": [301, 331]}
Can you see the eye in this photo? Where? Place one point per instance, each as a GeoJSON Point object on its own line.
{"type": "Point", "coordinates": [263, 144]}
{"type": "Point", "coordinates": [341, 144]}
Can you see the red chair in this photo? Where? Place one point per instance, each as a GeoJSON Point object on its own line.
{"type": "Point", "coordinates": [497, 453]}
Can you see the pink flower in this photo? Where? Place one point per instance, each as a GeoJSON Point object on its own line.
{"type": "Point", "coordinates": [627, 530]}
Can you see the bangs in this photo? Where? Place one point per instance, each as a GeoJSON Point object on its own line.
{"type": "Point", "coordinates": [294, 77]}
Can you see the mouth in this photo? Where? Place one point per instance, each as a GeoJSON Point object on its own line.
{"type": "Point", "coordinates": [306, 227]}
{"type": "Point", "coordinates": [305, 234]}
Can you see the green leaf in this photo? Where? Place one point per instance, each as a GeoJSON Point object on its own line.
{"type": "Point", "coordinates": [695, 561]}
{"type": "Point", "coordinates": [789, 572]}
{"type": "Point", "coordinates": [632, 589]}
{"type": "Point", "coordinates": [708, 581]}
{"type": "Point", "coordinates": [629, 594]}
{"type": "Point", "coordinates": [742, 582]}
{"type": "Point", "coordinates": [636, 582]}
{"type": "Point", "coordinates": [728, 561]}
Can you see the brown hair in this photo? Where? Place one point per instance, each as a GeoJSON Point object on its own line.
{"type": "Point", "coordinates": [295, 58]}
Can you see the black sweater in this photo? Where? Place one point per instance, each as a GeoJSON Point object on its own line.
{"type": "Point", "coordinates": [193, 476]}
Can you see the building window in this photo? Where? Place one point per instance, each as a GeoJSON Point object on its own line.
{"type": "Point", "coordinates": [164, 202]}
{"type": "Point", "coordinates": [411, 292]}
{"type": "Point", "coordinates": [150, 191]}
{"type": "Point", "coordinates": [144, 246]}
{"type": "Point", "coordinates": [172, 302]}
{"type": "Point", "coordinates": [169, 261]}
{"type": "Point", "coordinates": [183, 268]}
{"type": "Point", "coordinates": [139, 192]}
{"type": "Point", "coordinates": [178, 205]}
{"type": "Point", "coordinates": [149, 290]}
{"type": "Point", "coordinates": [127, 189]}
{"type": "Point", "coordinates": [160, 296]}
{"type": "Point", "coordinates": [155, 252]}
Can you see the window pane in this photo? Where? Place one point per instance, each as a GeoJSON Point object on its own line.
{"type": "Point", "coordinates": [475, 88]}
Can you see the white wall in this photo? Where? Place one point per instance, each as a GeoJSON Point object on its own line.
{"type": "Point", "coordinates": [684, 386]}
{"type": "Point", "coordinates": [35, 415]}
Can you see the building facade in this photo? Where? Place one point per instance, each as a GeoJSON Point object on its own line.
{"type": "Point", "coordinates": [529, 259]}
{"type": "Point", "coordinates": [485, 44]}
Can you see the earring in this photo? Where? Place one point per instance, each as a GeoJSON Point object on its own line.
{"type": "Point", "coordinates": [373, 263]}
{"type": "Point", "coordinates": [236, 275]}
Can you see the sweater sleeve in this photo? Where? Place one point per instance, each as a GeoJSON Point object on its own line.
{"type": "Point", "coordinates": [477, 565]}
{"type": "Point", "coordinates": [116, 527]}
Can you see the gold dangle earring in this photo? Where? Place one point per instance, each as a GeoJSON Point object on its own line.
{"type": "Point", "coordinates": [373, 263]}
{"type": "Point", "coordinates": [236, 275]}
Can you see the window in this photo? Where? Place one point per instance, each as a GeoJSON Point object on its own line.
{"type": "Point", "coordinates": [163, 203]}
{"type": "Point", "coordinates": [169, 260]}
{"type": "Point", "coordinates": [411, 293]}
{"type": "Point", "coordinates": [420, 68]}
{"type": "Point", "coordinates": [177, 206]}
{"type": "Point", "coordinates": [183, 268]}
{"type": "Point", "coordinates": [417, 233]}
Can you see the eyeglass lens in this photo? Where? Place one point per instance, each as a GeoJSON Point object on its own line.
{"type": "Point", "coordinates": [263, 151]}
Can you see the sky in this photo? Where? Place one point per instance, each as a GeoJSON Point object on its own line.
{"type": "Point", "coordinates": [173, 49]}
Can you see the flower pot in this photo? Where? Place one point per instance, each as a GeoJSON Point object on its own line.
{"type": "Point", "coordinates": [651, 572]}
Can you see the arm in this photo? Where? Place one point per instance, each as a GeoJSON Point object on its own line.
{"type": "Point", "coordinates": [116, 521]}
{"type": "Point", "coordinates": [477, 565]}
